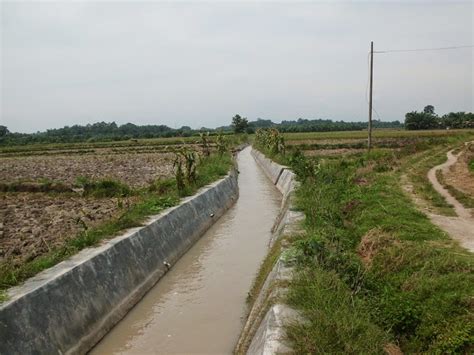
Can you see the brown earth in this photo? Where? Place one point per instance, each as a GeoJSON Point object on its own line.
{"type": "Point", "coordinates": [459, 175]}
{"type": "Point", "coordinates": [136, 170]}
{"type": "Point", "coordinates": [31, 224]}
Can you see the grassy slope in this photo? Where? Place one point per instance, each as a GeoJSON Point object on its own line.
{"type": "Point", "coordinates": [150, 202]}
{"type": "Point", "coordinates": [373, 271]}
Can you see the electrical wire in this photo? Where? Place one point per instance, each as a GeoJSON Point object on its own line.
{"type": "Point", "coordinates": [425, 49]}
{"type": "Point", "coordinates": [400, 51]}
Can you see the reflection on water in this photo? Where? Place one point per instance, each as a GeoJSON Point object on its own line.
{"type": "Point", "coordinates": [198, 306]}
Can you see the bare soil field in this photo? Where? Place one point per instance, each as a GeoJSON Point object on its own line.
{"type": "Point", "coordinates": [459, 175]}
{"type": "Point", "coordinates": [133, 169]}
{"type": "Point", "coordinates": [35, 223]}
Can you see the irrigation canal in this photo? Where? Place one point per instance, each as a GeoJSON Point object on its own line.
{"type": "Point", "coordinates": [198, 306]}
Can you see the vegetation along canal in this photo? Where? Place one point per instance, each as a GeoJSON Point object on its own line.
{"type": "Point", "coordinates": [197, 307]}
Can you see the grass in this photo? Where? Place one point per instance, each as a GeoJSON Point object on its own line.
{"type": "Point", "coordinates": [471, 165]}
{"type": "Point", "coordinates": [377, 133]}
{"type": "Point", "coordinates": [373, 272]}
{"type": "Point", "coordinates": [265, 268]}
{"type": "Point", "coordinates": [332, 317]}
{"type": "Point", "coordinates": [156, 198]}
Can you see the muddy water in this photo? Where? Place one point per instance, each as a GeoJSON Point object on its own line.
{"type": "Point", "coordinates": [197, 307]}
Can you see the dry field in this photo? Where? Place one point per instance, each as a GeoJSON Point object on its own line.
{"type": "Point", "coordinates": [34, 223]}
{"type": "Point", "coordinates": [133, 169]}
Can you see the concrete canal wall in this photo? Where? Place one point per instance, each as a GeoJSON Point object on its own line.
{"type": "Point", "coordinates": [68, 308]}
{"type": "Point", "coordinates": [264, 331]}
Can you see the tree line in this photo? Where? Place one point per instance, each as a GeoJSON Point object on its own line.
{"type": "Point", "coordinates": [428, 119]}
{"type": "Point", "coordinates": [103, 131]}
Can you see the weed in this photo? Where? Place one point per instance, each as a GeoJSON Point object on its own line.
{"type": "Point", "coordinates": [103, 188]}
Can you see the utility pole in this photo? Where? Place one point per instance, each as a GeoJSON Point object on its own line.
{"type": "Point", "coordinates": [369, 141]}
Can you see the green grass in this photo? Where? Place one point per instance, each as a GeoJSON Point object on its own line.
{"type": "Point", "coordinates": [265, 268]}
{"type": "Point", "coordinates": [335, 322]}
{"type": "Point", "coordinates": [372, 269]}
{"type": "Point", "coordinates": [471, 165]}
{"type": "Point", "coordinates": [155, 199]}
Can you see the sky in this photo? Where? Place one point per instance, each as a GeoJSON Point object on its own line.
{"type": "Point", "coordinates": [200, 63]}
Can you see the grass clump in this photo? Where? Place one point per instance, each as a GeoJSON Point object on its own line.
{"type": "Point", "coordinates": [103, 188]}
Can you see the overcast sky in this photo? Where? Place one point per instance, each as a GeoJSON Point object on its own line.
{"type": "Point", "coordinates": [199, 63]}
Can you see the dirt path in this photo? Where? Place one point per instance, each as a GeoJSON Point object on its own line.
{"type": "Point", "coordinates": [460, 228]}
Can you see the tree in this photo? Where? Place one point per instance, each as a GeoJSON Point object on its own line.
{"type": "Point", "coordinates": [420, 120]}
{"type": "Point", "coordinates": [239, 124]}
{"type": "Point", "coordinates": [429, 109]}
{"type": "Point", "coordinates": [3, 131]}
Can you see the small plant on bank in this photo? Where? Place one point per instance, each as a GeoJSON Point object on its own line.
{"type": "Point", "coordinates": [205, 143]}
{"type": "Point", "coordinates": [221, 142]}
{"type": "Point", "coordinates": [270, 140]}
{"type": "Point", "coordinates": [185, 164]}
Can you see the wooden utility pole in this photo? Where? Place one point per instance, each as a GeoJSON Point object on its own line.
{"type": "Point", "coordinates": [369, 141]}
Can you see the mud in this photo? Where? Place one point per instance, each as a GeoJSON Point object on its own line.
{"type": "Point", "coordinates": [198, 307]}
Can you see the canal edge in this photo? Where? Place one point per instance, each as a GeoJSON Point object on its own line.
{"type": "Point", "coordinates": [264, 329]}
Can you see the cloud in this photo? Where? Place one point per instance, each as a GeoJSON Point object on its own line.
{"type": "Point", "coordinates": [198, 64]}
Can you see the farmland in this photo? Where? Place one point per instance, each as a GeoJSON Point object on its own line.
{"type": "Point", "coordinates": [372, 266]}
{"type": "Point", "coordinates": [56, 199]}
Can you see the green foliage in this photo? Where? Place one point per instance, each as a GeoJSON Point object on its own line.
{"type": "Point", "coordinates": [205, 143]}
{"type": "Point", "coordinates": [185, 163]}
{"type": "Point", "coordinates": [239, 124]}
{"type": "Point", "coordinates": [471, 165]}
{"type": "Point", "coordinates": [335, 322]}
{"type": "Point", "coordinates": [3, 131]}
{"type": "Point", "coordinates": [429, 120]}
{"type": "Point", "coordinates": [270, 140]}
{"type": "Point", "coordinates": [103, 188]}
{"type": "Point", "coordinates": [221, 144]}
{"type": "Point", "coordinates": [420, 120]}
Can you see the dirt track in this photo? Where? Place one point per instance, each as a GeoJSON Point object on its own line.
{"type": "Point", "coordinates": [460, 228]}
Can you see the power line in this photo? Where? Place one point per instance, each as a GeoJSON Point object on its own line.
{"type": "Point", "coordinates": [425, 49]}
{"type": "Point", "coordinates": [406, 50]}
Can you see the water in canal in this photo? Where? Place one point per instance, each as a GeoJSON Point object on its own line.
{"type": "Point", "coordinates": [197, 307]}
